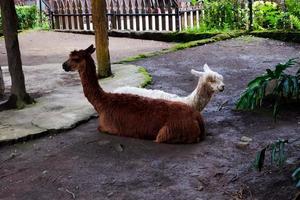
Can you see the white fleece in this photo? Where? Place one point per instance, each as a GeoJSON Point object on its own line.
{"type": "Point", "coordinates": [198, 99]}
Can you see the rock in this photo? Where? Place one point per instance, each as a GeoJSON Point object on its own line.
{"type": "Point", "coordinates": [200, 188]}
{"type": "Point", "coordinates": [242, 145]}
{"type": "Point", "coordinates": [119, 147]}
{"type": "Point", "coordinates": [246, 139]}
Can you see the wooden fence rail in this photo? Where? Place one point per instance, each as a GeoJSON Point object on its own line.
{"type": "Point", "coordinates": [132, 15]}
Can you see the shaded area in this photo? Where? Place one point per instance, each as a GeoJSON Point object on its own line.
{"type": "Point", "coordinates": [91, 165]}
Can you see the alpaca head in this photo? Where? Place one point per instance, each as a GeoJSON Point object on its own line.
{"type": "Point", "coordinates": [213, 79]}
{"type": "Point", "coordinates": [77, 59]}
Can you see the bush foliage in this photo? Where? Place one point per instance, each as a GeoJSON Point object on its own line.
{"type": "Point", "coordinates": [28, 18]}
{"type": "Point", "coordinates": [226, 15]}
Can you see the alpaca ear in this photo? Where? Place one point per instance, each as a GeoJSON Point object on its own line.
{"type": "Point", "coordinates": [90, 49]}
{"type": "Point", "coordinates": [196, 73]}
{"type": "Point", "coordinates": [206, 68]}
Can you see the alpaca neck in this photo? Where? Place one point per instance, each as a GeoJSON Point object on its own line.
{"type": "Point", "coordinates": [201, 95]}
{"type": "Point", "coordinates": [91, 88]}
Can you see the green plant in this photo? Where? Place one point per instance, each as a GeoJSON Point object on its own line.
{"type": "Point", "coordinates": [266, 15]}
{"type": "Point", "coordinates": [295, 22]}
{"type": "Point", "coordinates": [277, 154]}
{"type": "Point", "coordinates": [277, 157]}
{"type": "Point", "coordinates": [293, 7]}
{"type": "Point", "coordinates": [27, 16]}
{"type": "Point", "coordinates": [276, 84]}
{"type": "Point", "coordinates": [296, 177]}
{"type": "Point", "coordinates": [222, 15]}
{"type": "Point", "coordinates": [147, 77]}
{"type": "Point", "coordinates": [42, 23]}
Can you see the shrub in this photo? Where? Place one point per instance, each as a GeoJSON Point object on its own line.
{"type": "Point", "coordinates": [27, 16]}
{"type": "Point", "coordinates": [223, 15]}
{"type": "Point", "coordinates": [267, 15]}
{"type": "Point", "coordinates": [295, 22]}
{"type": "Point", "coordinates": [276, 84]}
{"type": "Point", "coordinates": [293, 7]}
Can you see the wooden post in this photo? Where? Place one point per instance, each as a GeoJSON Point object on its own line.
{"type": "Point", "coordinates": [145, 21]}
{"type": "Point", "coordinates": [56, 18]}
{"type": "Point", "coordinates": [62, 18]}
{"type": "Point", "coordinates": [130, 11]}
{"type": "Point", "coordinates": [118, 17]}
{"type": "Point", "coordinates": [101, 36]}
{"type": "Point", "coordinates": [80, 17]}
{"type": "Point", "coordinates": [137, 18]}
{"type": "Point", "coordinates": [124, 12]}
{"type": "Point", "coordinates": [75, 18]}
{"type": "Point", "coordinates": [69, 17]}
{"type": "Point", "coordinates": [113, 16]}
{"type": "Point", "coordinates": [87, 18]}
{"type": "Point", "coordinates": [2, 87]}
{"type": "Point", "coordinates": [177, 18]}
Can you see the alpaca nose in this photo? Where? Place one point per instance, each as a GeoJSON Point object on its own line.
{"type": "Point", "coordinates": [222, 87]}
{"type": "Point", "coordinates": [65, 67]}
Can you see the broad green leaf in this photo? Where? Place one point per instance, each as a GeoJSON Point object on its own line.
{"type": "Point", "coordinates": [296, 174]}
{"type": "Point", "coordinates": [260, 159]}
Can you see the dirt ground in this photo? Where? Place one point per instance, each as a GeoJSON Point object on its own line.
{"type": "Point", "coordinates": [40, 47]}
{"type": "Point", "coordinates": [85, 164]}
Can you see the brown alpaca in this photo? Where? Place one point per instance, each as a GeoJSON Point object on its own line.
{"type": "Point", "coordinates": [134, 116]}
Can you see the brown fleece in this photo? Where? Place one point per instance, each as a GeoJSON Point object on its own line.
{"type": "Point", "coordinates": [134, 116]}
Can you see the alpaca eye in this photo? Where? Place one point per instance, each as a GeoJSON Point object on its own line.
{"type": "Point", "coordinates": [76, 60]}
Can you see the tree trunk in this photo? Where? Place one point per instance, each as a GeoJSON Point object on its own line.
{"type": "Point", "coordinates": [250, 5]}
{"type": "Point", "coordinates": [101, 35]}
{"type": "Point", "coordinates": [2, 88]}
{"type": "Point", "coordinates": [19, 98]}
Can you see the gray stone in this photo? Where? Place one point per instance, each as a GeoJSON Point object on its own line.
{"type": "Point", "coordinates": [63, 104]}
{"type": "Point", "coordinates": [246, 139]}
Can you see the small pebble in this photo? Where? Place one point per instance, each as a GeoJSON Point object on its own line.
{"type": "Point", "coordinates": [246, 139]}
{"type": "Point", "coordinates": [242, 145]}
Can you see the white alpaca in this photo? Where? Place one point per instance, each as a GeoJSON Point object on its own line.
{"type": "Point", "coordinates": [209, 82]}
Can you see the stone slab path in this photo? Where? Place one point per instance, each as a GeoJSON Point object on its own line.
{"type": "Point", "coordinates": [61, 104]}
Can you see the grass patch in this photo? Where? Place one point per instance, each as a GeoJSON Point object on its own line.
{"type": "Point", "coordinates": [147, 76]}
{"type": "Point", "coordinates": [181, 46]}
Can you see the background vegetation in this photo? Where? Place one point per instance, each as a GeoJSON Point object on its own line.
{"type": "Point", "coordinates": [28, 18]}
{"type": "Point", "coordinates": [227, 15]}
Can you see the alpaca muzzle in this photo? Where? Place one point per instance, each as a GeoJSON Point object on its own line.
{"type": "Point", "coordinates": [221, 88]}
{"type": "Point", "coordinates": [66, 67]}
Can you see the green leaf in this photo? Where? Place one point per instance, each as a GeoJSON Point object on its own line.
{"type": "Point", "coordinates": [276, 110]}
{"type": "Point", "coordinates": [256, 82]}
{"type": "Point", "coordinates": [298, 184]}
{"type": "Point", "coordinates": [270, 73]}
{"type": "Point", "coordinates": [296, 174]}
{"type": "Point", "coordinates": [260, 159]}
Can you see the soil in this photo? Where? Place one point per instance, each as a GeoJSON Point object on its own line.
{"type": "Point", "coordinates": [85, 164]}
{"type": "Point", "coordinates": [40, 47]}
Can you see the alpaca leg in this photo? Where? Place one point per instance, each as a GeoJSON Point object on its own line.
{"type": "Point", "coordinates": [106, 127]}
{"type": "Point", "coordinates": [166, 135]}
{"type": "Point", "coordinates": [163, 135]}
{"type": "Point", "coordinates": [185, 132]}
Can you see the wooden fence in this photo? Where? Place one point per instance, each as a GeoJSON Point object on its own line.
{"type": "Point", "coordinates": [132, 15]}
